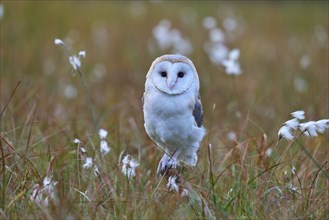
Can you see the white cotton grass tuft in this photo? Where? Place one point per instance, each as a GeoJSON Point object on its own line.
{"type": "Point", "coordinates": [292, 123]}
{"type": "Point", "coordinates": [293, 170]}
{"type": "Point", "coordinates": [2, 11]}
{"type": "Point", "coordinates": [286, 133]}
{"type": "Point", "coordinates": [216, 35]}
{"type": "Point", "coordinates": [322, 125]}
{"type": "Point", "coordinates": [304, 62]}
{"type": "Point", "coordinates": [70, 92]}
{"type": "Point", "coordinates": [310, 128]}
{"type": "Point", "coordinates": [300, 84]}
{"type": "Point", "coordinates": [104, 146]}
{"type": "Point", "coordinates": [234, 54]}
{"type": "Point", "coordinates": [170, 38]}
{"type": "Point", "coordinates": [232, 136]}
{"type": "Point", "coordinates": [102, 133]}
{"type": "Point", "coordinates": [83, 150]}
{"type": "Point", "coordinates": [218, 52]}
{"type": "Point", "coordinates": [298, 114]}
{"type": "Point", "coordinates": [73, 59]}
{"type": "Point", "coordinates": [43, 192]}
{"type": "Point", "coordinates": [88, 163]}
{"type": "Point", "coordinates": [321, 36]}
{"type": "Point", "coordinates": [232, 66]}
{"type": "Point", "coordinates": [292, 188]}
{"type": "Point", "coordinates": [76, 140]}
{"type": "Point", "coordinates": [96, 170]}
{"type": "Point", "coordinates": [59, 42]}
{"type": "Point", "coordinates": [129, 166]}
{"type": "Point", "coordinates": [172, 185]}
{"type": "Point", "coordinates": [268, 152]}
{"type": "Point", "coordinates": [75, 62]}
{"type": "Point", "coordinates": [82, 54]}
{"type": "Point", "coordinates": [209, 22]}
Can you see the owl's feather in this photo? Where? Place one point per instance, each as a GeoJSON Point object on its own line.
{"type": "Point", "coordinates": [198, 112]}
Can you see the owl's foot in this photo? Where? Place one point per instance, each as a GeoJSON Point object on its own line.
{"type": "Point", "coordinates": [166, 163]}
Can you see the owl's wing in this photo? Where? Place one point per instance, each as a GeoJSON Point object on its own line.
{"type": "Point", "coordinates": [198, 112]}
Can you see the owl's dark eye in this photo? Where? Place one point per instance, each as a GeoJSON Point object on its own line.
{"type": "Point", "coordinates": [180, 74]}
{"type": "Point", "coordinates": [163, 74]}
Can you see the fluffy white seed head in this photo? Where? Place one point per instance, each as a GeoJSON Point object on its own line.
{"type": "Point", "coordinates": [209, 22]}
{"type": "Point", "coordinates": [102, 133]}
{"type": "Point", "coordinates": [129, 166]}
{"type": "Point", "coordinates": [105, 149]}
{"type": "Point", "coordinates": [308, 128]}
{"type": "Point", "coordinates": [322, 125]}
{"type": "Point", "coordinates": [268, 152]}
{"type": "Point", "coordinates": [172, 185]}
{"type": "Point", "coordinates": [83, 150]}
{"type": "Point", "coordinates": [216, 35]}
{"type": "Point", "coordinates": [88, 163]}
{"type": "Point", "coordinates": [58, 42]}
{"type": "Point", "coordinates": [42, 193]}
{"type": "Point", "coordinates": [232, 67]}
{"type": "Point", "coordinates": [75, 62]}
{"type": "Point", "coordinates": [82, 54]}
{"type": "Point", "coordinates": [2, 11]}
{"type": "Point", "coordinates": [77, 141]}
{"type": "Point", "coordinates": [234, 54]}
{"type": "Point", "coordinates": [298, 114]}
{"type": "Point", "coordinates": [292, 123]}
{"type": "Point", "coordinates": [285, 132]}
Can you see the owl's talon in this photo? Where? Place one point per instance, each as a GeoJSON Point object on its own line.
{"type": "Point", "coordinates": [165, 164]}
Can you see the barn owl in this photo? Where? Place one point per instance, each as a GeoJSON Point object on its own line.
{"type": "Point", "coordinates": [172, 110]}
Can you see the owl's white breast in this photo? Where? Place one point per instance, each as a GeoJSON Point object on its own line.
{"type": "Point", "coordinates": [169, 120]}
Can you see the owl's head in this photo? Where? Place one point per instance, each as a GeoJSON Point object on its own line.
{"type": "Point", "coordinates": [173, 74]}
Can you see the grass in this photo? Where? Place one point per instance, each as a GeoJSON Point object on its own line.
{"type": "Point", "coordinates": [234, 178]}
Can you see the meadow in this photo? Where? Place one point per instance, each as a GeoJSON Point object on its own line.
{"type": "Point", "coordinates": [56, 163]}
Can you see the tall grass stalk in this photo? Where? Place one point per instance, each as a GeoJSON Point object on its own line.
{"type": "Point", "coordinates": [304, 149]}
{"type": "Point", "coordinates": [85, 90]}
{"type": "Point", "coordinates": [312, 185]}
{"type": "Point", "coordinates": [3, 170]}
{"type": "Point", "coordinates": [89, 101]}
{"type": "Point", "coordinates": [308, 154]}
{"type": "Point", "coordinates": [11, 96]}
{"type": "Point", "coordinates": [210, 159]}
{"type": "Point", "coordinates": [31, 126]}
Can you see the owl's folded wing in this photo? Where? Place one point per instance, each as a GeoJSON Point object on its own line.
{"type": "Point", "coordinates": [198, 112]}
{"type": "Point", "coordinates": [143, 100]}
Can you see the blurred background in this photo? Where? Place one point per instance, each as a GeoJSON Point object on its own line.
{"type": "Point", "coordinates": [257, 62]}
{"type": "Point", "coordinates": [280, 63]}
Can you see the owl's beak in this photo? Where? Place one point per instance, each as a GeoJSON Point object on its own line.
{"type": "Point", "coordinates": [171, 84]}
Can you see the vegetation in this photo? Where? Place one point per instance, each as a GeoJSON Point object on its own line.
{"type": "Point", "coordinates": [244, 170]}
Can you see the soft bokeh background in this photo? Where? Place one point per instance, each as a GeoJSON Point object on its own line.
{"type": "Point", "coordinates": [283, 57]}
